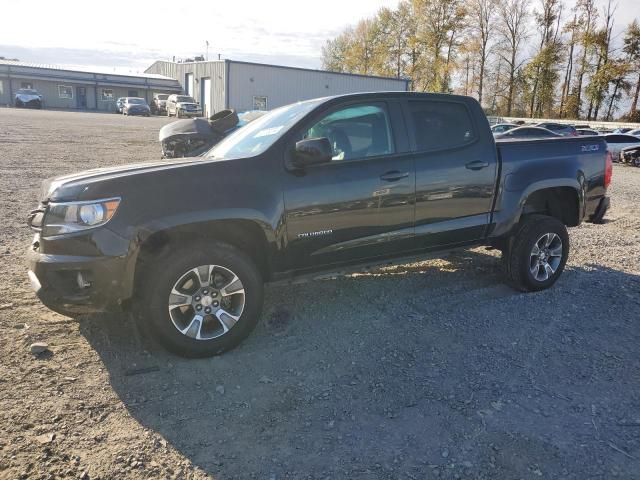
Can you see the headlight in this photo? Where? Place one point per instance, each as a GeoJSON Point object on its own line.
{"type": "Point", "coordinates": [76, 216]}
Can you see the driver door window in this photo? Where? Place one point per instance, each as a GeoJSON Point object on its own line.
{"type": "Point", "coordinates": [356, 132]}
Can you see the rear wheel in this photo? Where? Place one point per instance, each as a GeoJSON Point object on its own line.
{"type": "Point", "coordinates": [203, 300]}
{"type": "Point", "coordinates": [537, 253]}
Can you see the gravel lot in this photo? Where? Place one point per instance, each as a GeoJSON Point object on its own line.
{"type": "Point", "coordinates": [429, 370]}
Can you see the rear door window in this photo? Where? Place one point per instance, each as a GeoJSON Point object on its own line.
{"type": "Point", "coordinates": [440, 125]}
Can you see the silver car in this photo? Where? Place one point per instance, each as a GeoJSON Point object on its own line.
{"type": "Point", "coordinates": [617, 141]}
{"type": "Point", "coordinates": [183, 106]}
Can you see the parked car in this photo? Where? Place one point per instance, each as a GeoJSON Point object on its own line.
{"type": "Point", "coordinates": [527, 132]}
{"type": "Point", "coordinates": [635, 133]}
{"type": "Point", "coordinates": [120, 104]}
{"type": "Point", "coordinates": [159, 103]}
{"type": "Point", "coordinates": [135, 106]}
{"type": "Point", "coordinates": [559, 128]}
{"type": "Point", "coordinates": [503, 127]}
{"type": "Point", "coordinates": [183, 106]}
{"type": "Point", "coordinates": [586, 131]}
{"type": "Point", "coordinates": [188, 244]}
{"type": "Point", "coordinates": [630, 156]}
{"type": "Point", "coordinates": [622, 130]}
{"type": "Point", "coordinates": [617, 141]}
{"type": "Point", "coordinates": [28, 98]}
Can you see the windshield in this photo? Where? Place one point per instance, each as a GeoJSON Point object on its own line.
{"type": "Point", "coordinates": [163, 97]}
{"type": "Point", "coordinates": [136, 101]}
{"type": "Point", "coordinates": [27, 91]}
{"type": "Point", "coordinates": [260, 134]}
{"type": "Point", "coordinates": [184, 98]}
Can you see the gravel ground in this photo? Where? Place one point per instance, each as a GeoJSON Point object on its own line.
{"type": "Point", "coordinates": [428, 370]}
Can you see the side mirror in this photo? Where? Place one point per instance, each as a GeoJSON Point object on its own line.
{"type": "Point", "coordinates": [312, 151]}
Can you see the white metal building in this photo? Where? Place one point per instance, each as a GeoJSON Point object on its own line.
{"type": "Point", "coordinates": [78, 89]}
{"type": "Point", "coordinates": [254, 86]}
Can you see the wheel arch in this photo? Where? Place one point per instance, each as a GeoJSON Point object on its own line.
{"type": "Point", "coordinates": [247, 235]}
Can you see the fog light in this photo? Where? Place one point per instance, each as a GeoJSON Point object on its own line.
{"type": "Point", "coordinates": [82, 283]}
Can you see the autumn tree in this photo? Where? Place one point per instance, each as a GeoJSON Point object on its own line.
{"type": "Point", "coordinates": [632, 50]}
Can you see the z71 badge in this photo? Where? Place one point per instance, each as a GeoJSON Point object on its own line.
{"type": "Point", "coordinates": [590, 148]}
{"type": "Point", "coordinates": [320, 233]}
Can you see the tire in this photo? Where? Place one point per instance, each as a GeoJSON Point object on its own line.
{"type": "Point", "coordinates": [636, 161]}
{"type": "Point", "coordinates": [218, 331]}
{"type": "Point", "coordinates": [522, 270]}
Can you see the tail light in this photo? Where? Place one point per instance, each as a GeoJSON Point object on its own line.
{"type": "Point", "coordinates": [608, 170]}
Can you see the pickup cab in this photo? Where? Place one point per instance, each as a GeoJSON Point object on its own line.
{"type": "Point", "coordinates": [322, 186]}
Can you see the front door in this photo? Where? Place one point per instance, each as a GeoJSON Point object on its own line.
{"type": "Point", "coordinates": [205, 92]}
{"type": "Point", "coordinates": [456, 168]}
{"type": "Point", "coordinates": [359, 205]}
{"type": "Point", "coordinates": [81, 96]}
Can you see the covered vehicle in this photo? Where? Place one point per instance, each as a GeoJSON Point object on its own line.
{"type": "Point", "coordinates": [183, 106]}
{"type": "Point", "coordinates": [135, 106]}
{"type": "Point", "coordinates": [193, 137]}
{"type": "Point", "coordinates": [28, 97]}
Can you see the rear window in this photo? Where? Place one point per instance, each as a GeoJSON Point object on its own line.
{"type": "Point", "coordinates": [622, 139]}
{"type": "Point", "coordinates": [439, 125]}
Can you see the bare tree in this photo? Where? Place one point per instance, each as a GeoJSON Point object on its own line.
{"type": "Point", "coordinates": [482, 24]}
{"type": "Point", "coordinates": [512, 28]}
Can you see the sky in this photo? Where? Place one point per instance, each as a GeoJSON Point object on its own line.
{"type": "Point", "coordinates": [127, 36]}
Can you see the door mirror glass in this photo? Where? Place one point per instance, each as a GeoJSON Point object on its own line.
{"type": "Point", "coordinates": [312, 151]}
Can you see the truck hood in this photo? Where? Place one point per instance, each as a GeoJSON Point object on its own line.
{"type": "Point", "coordinates": [66, 187]}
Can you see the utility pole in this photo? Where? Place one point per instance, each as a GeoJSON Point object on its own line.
{"type": "Point", "coordinates": [207, 42]}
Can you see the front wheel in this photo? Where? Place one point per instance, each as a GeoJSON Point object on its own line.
{"type": "Point", "coordinates": [537, 253]}
{"type": "Point", "coordinates": [203, 300]}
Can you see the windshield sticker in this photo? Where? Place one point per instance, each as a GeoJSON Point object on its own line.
{"type": "Point", "coordinates": [267, 132]}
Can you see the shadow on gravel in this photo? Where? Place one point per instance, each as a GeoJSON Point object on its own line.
{"type": "Point", "coordinates": [419, 371]}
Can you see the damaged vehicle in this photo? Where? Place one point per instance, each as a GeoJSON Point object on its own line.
{"type": "Point", "coordinates": [194, 137]}
{"type": "Point", "coordinates": [28, 98]}
{"type": "Point", "coordinates": [630, 156]}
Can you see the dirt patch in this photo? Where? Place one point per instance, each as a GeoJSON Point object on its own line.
{"type": "Point", "coordinates": [429, 370]}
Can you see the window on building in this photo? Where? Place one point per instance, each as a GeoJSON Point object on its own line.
{"type": "Point", "coordinates": [439, 125]}
{"type": "Point", "coordinates": [356, 132]}
{"type": "Point", "coordinates": [132, 93]}
{"type": "Point", "coordinates": [107, 94]}
{"type": "Point", "coordinates": [260, 103]}
{"type": "Point", "coordinates": [65, 92]}
{"type": "Point", "coordinates": [28, 85]}
{"type": "Point", "coordinates": [1, 87]}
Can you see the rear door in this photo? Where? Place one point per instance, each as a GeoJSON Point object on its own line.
{"type": "Point", "coordinates": [359, 205]}
{"type": "Point", "coordinates": [456, 169]}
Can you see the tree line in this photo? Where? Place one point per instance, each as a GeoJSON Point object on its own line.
{"type": "Point", "coordinates": [522, 58]}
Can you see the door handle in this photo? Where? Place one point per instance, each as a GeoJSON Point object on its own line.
{"type": "Point", "coordinates": [393, 176]}
{"type": "Point", "coordinates": [477, 165]}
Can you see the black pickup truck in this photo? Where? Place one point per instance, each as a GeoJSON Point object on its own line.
{"type": "Point", "coordinates": [321, 186]}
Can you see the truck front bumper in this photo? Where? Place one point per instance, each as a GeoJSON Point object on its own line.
{"type": "Point", "coordinates": [79, 284]}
